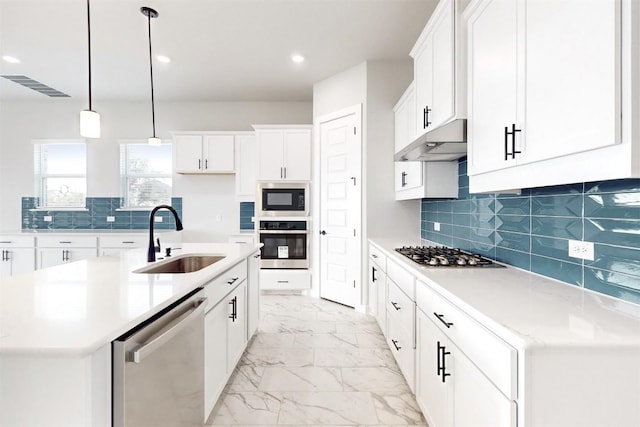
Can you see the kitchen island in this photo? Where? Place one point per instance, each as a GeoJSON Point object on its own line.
{"type": "Point", "coordinates": [57, 324]}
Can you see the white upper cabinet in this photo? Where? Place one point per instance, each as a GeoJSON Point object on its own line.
{"type": "Point", "coordinates": [405, 118]}
{"type": "Point", "coordinates": [438, 69]}
{"type": "Point", "coordinates": [545, 104]}
{"type": "Point", "coordinates": [246, 163]}
{"type": "Point", "coordinates": [284, 153]}
{"type": "Point", "coordinates": [204, 152]}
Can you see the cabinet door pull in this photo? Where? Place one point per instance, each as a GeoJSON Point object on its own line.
{"type": "Point", "coordinates": [285, 172]}
{"type": "Point", "coordinates": [425, 119]}
{"type": "Point", "coordinates": [256, 256]}
{"type": "Point", "coordinates": [513, 142]}
{"type": "Point", "coordinates": [395, 344]}
{"type": "Point", "coordinates": [404, 179]}
{"type": "Point", "coordinates": [442, 368]}
{"type": "Point", "coordinates": [281, 173]}
{"type": "Point", "coordinates": [65, 241]}
{"type": "Point", "coordinates": [373, 274]}
{"type": "Point", "coordinates": [441, 318]}
{"type": "Point", "coordinates": [374, 256]}
{"type": "Point", "coordinates": [206, 164]}
{"type": "Point", "coordinates": [128, 242]}
{"type": "Point", "coordinates": [6, 241]}
{"type": "Point", "coordinates": [199, 164]}
{"type": "Point", "coordinates": [234, 309]}
{"type": "Point", "coordinates": [396, 306]}
{"type": "Point", "coordinates": [232, 281]}
{"type": "Point", "coordinates": [4, 255]}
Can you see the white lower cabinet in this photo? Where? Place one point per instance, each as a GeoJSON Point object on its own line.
{"type": "Point", "coordinates": [18, 255]}
{"type": "Point", "coordinates": [114, 245]}
{"type": "Point", "coordinates": [253, 294]}
{"type": "Point", "coordinates": [401, 324]}
{"type": "Point", "coordinates": [62, 249]}
{"type": "Point", "coordinates": [450, 389]}
{"type": "Point", "coordinates": [215, 352]}
{"type": "Point", "coordinates": [236, 325]}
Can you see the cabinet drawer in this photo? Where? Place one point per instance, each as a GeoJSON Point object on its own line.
{"type": "Point", "coordinates": [10, 241]}
{"type": "Point", "coordinates": [377, 256]}
{"type": "Point", "coordinates": [66, 241]}
{"type": "Point", "coordinates": [123, 241]}
{"type": "Point", "coordinates": [284, 280]}
{"type": "Point", "coordinates": [400, 341]}
{"type": "Point", "coordinates": [494, 357]}
{"type": "Point", "coordinates": [402, 278]}
{"type": "Point", "coordinates": [216, 289]}
{"type": "Point", "coordinates": [400, 307]}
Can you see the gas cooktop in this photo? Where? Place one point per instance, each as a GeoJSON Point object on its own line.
{"type": "Point", "coordinates": [440, 256]}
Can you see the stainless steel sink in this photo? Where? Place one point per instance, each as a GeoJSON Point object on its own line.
{"type": "Point", "coordinates": [181, 264]}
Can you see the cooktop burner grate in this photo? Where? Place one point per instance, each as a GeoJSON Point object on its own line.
{"type": "Point", "coordinates": [440, 256]}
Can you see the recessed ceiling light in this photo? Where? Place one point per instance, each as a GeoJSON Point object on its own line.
{"type": "Point", "coordinates": [164, 59]}
{"type": "Point", "coordinates": [11, 59]}
{"type": "Point", "coordinates": [297, 58]}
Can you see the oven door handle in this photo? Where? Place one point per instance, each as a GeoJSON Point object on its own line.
{"type": "Point", "coordinates": [284, 231]}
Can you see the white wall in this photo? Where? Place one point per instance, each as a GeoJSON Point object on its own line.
{"type": "Point", "coordinates": [203, 196]}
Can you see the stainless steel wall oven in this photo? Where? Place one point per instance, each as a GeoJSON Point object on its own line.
{"type": "Point", "coordinates": [286, 244]}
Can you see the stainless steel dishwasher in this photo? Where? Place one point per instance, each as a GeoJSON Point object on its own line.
{"type": "Point", "coordinates": [158, 368]}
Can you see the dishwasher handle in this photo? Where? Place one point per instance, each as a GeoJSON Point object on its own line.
{"type": "Point", "coordinates": [162, 337]}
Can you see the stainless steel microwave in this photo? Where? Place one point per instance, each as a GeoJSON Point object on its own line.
{"type": "Point", "coordinates": [282, 199]}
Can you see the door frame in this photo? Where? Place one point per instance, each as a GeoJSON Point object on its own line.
{"type": "Point", "coordinates": [315, 190]}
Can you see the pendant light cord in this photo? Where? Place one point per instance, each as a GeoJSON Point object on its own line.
{"type": "Point", "coordinates": [153, 111]}
{"type": "Point", "coordinates": [89, 44]}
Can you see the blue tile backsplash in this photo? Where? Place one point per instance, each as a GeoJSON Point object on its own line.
{"type": "Point", "coordinates": [94, 216]}
{"type": "Point", "coordinates": [247, 210]}
{"type": "Point", "coordinates": [531, 230]}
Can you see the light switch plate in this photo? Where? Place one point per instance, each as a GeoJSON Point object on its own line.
{"type": "Point", "coordinates": [47, 218]}
{"type": "Point", "coordinates": [581, 249]}
{"type": "Point", "coordinates": [111, 219]}
{"type": "Point", "coordinates": [157, 219]}
{"type": "Point", "coordinates": [436, 226]}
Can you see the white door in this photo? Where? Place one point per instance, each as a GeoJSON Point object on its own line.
{"type": "Point", "coordinates": [340, 205]}
{"type": "Point", "coordinates": [270, 155]}
{"type": "Point", "coordinates": [188, 153]}
{"type": "Point", "coordinates": [219, 153]}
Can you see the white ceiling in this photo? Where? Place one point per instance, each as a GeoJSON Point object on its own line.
{"type": "Point", "coordinates": [221, 50]}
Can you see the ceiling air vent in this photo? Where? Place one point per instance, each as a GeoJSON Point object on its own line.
{"type": "Point", "coordinates": [37, 86]}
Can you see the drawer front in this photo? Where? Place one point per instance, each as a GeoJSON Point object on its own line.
{"type": "Point", "coordinates": [226, 282]}
{"type": "Point", "coordinates": [400, 342]}
{"type": "Point", "coordinates": [400, 307]}
{"type": "Point", "coordinates": [279, 280]}
{"type": "Point", "coordinates": [377, 256]}
{"type": "Point", "coordinates": [66, 241]}
{"type": "Point", "coordinates": [494, 357]}
{"type": "Point", "coordinates": [404, 279]}
{"type": "Point", "coordinates": [12, 241]}
{"type": "Point", "coordinates": [123, 242]}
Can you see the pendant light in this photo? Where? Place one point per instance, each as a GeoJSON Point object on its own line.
{"type": "Point", "coordinates": [151, 13]}
{"type": "Point", "coordinates": [89, 119]}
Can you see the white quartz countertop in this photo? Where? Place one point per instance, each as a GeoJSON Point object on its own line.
{"type": "Point", "coordinates": [529, 310]}
{"type": "Point", "coordinates": [75, 308]}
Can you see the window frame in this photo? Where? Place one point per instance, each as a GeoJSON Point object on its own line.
{"type": "Point", "coordinates": [125, 177]}
{"type": "Point", "coordinates": [40, 177]}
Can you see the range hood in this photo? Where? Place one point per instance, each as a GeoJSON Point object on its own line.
{"type": "Point", "coordinates": [442, 144]}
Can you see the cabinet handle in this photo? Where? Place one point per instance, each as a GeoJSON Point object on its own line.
{"type": "Point", "coordinates": [425, 119]}
{"type": "Point", "coordinates": [206, 163]}
{"type": "Point", "coordinates": [404, 179]}
{"type": "Point", "coordinates": [234, 313]}
{"type": "Point", "coordinates": [281, 173]}
{"type": "Point", "coordinates": [441, 318]}
{"type": "Point", "coordinates": [373, 274]}
{"type": "Point", "coordinates": [374, 256]}
{"type": "Point", "coordinates": [65, 241]}
{"type": "Point", "coordinates": [5, 255]}
{"type": "Point", "coordinates": [199, 164]}
{"type": "Point", "coordinates": [256, 256]}
{"type": "Point", "coordinates": [396, 306]}
{"type": "Point", "coordinates": [283, 281]}
{"type": "Point", "coordinates": [233, 280]}
{"type": "Point", "coordinates": [442, 368]}
{"type": "Point", "coordinates": [6, 241]}
{"type": "Point", "coordinates": [128, 241]}
{"type": "Point", "coordinates": [513, 142]}
{"type": "Point", "coordinates": [285, 172]}
{"type": "Point", "coordinates": [395, 344]}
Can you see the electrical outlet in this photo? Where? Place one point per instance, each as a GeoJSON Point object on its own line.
{"type": "Point", "coordinates": [581, 249]}
{"type": "Point", "coordinates": [436, 226]}
{"type": "Point", "coordinates": [47, 218]}
{"type": "Point", "coordinates": [111, 219]}
{"type": "Point", "coordinates": [157, 219]}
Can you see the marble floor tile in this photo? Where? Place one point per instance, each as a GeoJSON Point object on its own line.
{"type": "Point", "coordinates": [397, 408]}
{"type": "Point", "coordinates": [263, 356]}
{"type": "Point", "coordinates": [373, 379]}
{"type": "Point", "coordinates": [375, 340]}
{"type": "Point", "coordinates": [345, 316]}
{"type": "Point", "coordinates": [301, 379]}
{"type": "Point", "coordinates": [358, 326]}
{"type": "Point", "coordinates": [322, 408]}
{"type": "Point", "coordinates": [292, 326]}
{"type": "Point", "coordinates": [325, 340]}
{"type": "Point", "coordinates": [354, 357]}
{"type": "Point", "coordinates": [272, 340]}
{"type": "Point", "coordinates": [251, 408]}
{"type": "Point", "coordinates": [245, 378]}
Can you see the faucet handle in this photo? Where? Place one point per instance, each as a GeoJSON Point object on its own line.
{"type": "Point", "coordinates": [157, 247]}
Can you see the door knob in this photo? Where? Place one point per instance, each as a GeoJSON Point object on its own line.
{"type": "Point", "coordinates": [323, 232]}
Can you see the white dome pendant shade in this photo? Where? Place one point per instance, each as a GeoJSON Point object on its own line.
{"type": "Point", "coordinates": [89, 119]}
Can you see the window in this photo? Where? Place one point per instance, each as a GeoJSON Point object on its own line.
{"type": "Point", "coordinates": [61, 174]}
{"type": "Point", "coordinates": [145, 174]}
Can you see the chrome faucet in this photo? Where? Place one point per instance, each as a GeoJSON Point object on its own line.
{"type": "Point", "coordinates": [151, 253]}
